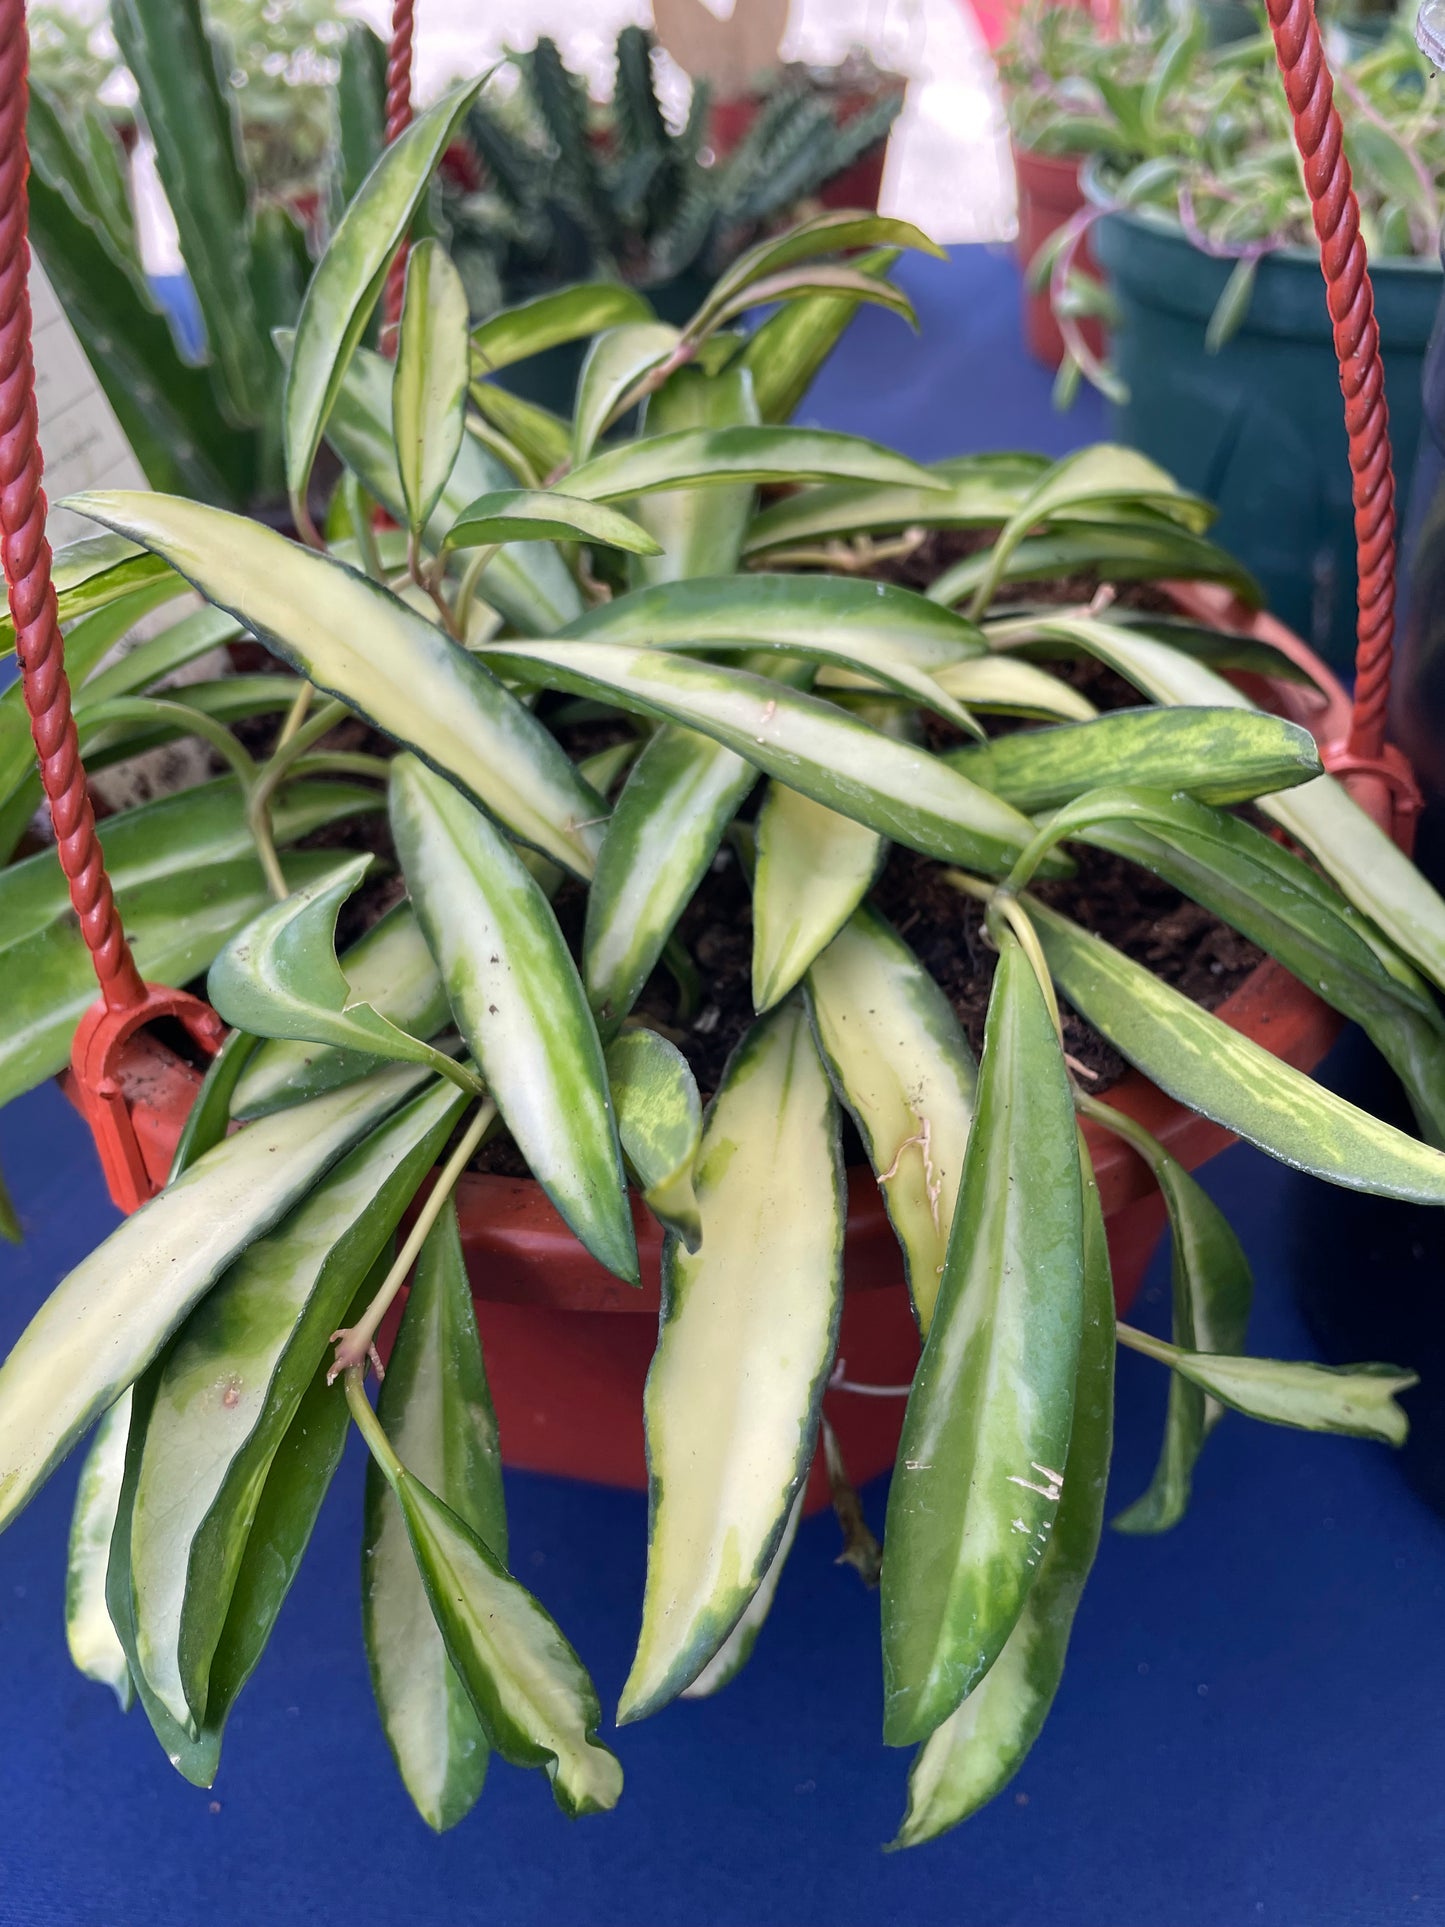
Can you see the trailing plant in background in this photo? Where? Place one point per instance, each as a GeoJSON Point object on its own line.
{"type": "Point", "coordinates": [566, 187]}
{"type": "Point", "coordinates": [1200, 136]}
{"type": "Point", "coordinates": [261, 117]}
{"type": "Point", "coordinates": [764, 700]}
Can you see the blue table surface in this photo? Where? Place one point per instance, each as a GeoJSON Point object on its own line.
{"type": "Point", "coordinates": [1250, 1726]}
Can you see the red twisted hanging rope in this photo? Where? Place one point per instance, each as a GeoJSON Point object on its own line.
{"type": "Point", "coordinates": [26, 554]}
{"type": "Point", "coordinates": [398, 119]}
{"type": "Point", "coordinates": [1320, 140]}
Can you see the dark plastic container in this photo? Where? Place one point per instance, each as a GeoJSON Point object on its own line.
{"type": "Point", "coordinates": [1258, 427]}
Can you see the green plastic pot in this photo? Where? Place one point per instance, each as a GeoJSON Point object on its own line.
{"type": "Point", "coordinates": [1258, 427]}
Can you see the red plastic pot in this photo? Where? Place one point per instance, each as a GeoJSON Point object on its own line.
{"type": "Point", "coordinates": [568, 1346]}
{"type": "Point", "coordinates": [1049, 194]}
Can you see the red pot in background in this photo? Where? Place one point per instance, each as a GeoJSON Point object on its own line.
{"type": "Point", "coordinates": [857, 186]}
{"type": "Point", "coordinates": [568, 1345]}
{"type": "Point", "coordinates": [1048, 195]}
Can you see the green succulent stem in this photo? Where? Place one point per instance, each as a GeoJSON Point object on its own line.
{"type": "Point", "coordinates": [357, 1343]}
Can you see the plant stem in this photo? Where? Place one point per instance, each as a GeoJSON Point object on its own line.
{"type": "Point", "coordinates": [369, 1426]}
{"type": "Point", "coordinates": [471, 577]}
{"type": "Point", "coordinates": [357, 1343]}
{"type": "Point", "coordinates": [295, 715]}
{"type": "Point", "coordinates": [1008, 907]}
{"type": "Point", "coordinates": [1137, 1341]}
{"type": "Point", "coordinates": [258, 803]}
{"type": "Point", "coordinates": [1123, 1126]}
{"type": "Point", "coordinates": [343, 763]}
{"type": "Point", "coordinates": [428, 581]}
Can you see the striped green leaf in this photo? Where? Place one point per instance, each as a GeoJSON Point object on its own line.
{"type": "Point", "coordinates": [901, 1064]}
{"type": "Point", "coordinates": [541, 439]}
{"type": "Point", "coordinates": [1117, 552]}
{"type": "Point", "coordinates": [986, 1433]}
{"type": "Point", "coordinates": [391, 969]}
{"type": "Point", "coordinates": [1218, 755]}
{"type": "Point", "coordinates": [813, 869]}
{"type": "Point", "coordinates": [353, 638]}
{"type": "Point", "coordinates": [348, 279]}
{"type": "Point", "coordinates": [518, 1003]}
{"type": "Point", "coordinates": [279, 978]}
{"type": "Point", "coordinates": [701, 531]}
{"type": "Point", "coordinates": [659, 1120]}
{"type": "Point", "coordinates": [1357, 1400]}
{"type": "Point", "coordinates": [94, 573]}
{"type": "Point", "coordinates": [714, 458]}
{"type": "Point", "coordinates": [95, 1649]}
{"type": "Point", "coordinates": [828, 279]}
{"type": "Point", "coordinates": [813, 746]}
{"type": "Point", "coordinates": [233, 1381]}
{"type": "Point", "coordinates": [1092, 477]}
{"type": "Point", "coordinates": [1226, 1076]}
{"type": "Point", "coordinates": [832, 232]}
{"type": "Point", "coordinates": [531, 1694]}
{"type": "Point", "coordinates": [544, 515]}
{"type": "Point", "coordinates": [973, 491]}
{"type": "Point", "coordinates": [548, 320]}
{"type": "Point", "coordinates": [106, 1321]}
{"type": "Point", "coordinates": [617, 360]}
{"type": "Point", "coordinates": [964, 1763]}
{"type": "Point", "coordinates": [437, 1410]}
{"type": "Point", "coordinates": [749, 1323]}
{"type": "Point", "coordinates": [1012, 687]}
{"type": "Point", "coordinates": [888, 633]}
{"type": "Point", "coordinates": [429, 389]}
{"type": "Point", "coordinates": [785, 353]}
{"type": "Point", "coordinates": [737, 1649]}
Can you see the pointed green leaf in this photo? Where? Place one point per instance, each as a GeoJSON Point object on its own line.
{"type": "Point", "coordinates": [901, 1064]}
{"type": "Point", "coordinates": [354, 639]}
{"type": "Point", "coordinates": [437, 1411]}
{"type": "Point", "coordinates": [544, 515]}
{"type": "Point", "coordinates": [616, 362]}
{"type": "Point", "coordinates": [95, 1649]}
{"type": "Point", "coordinates": [390, 969]}
{"type": "Point", "coordinates": [548, 320]}
{"type": "Point", "coordinates": [784, 354]}
{"type": "Point", "coordinates": [176, 646]}
{"type": "Point", "coordinates": [429, 389]}
{"type": "Point", "coordinates": [737, 1649]}
{"type": "Point", "coordinates": [818, 278]}
{"type": "Point", "coordinates": [715, 457]}
{"type": "Point", "coordinates": [1115, 552]}
{"type": "Point", "coordinates": [233, 1380]}
{"type": "Point", "coordinates": [813, 746]}
{"type": "Point", "coordinates": [1228, 1077]}
{"type": "Point", "coordinates": [813, 869]}
{"type": "Point", "coordinates": [749, 1324]}
{"type": "Point", "coordinates": [209, 1118]}
{"type": "Point", "coordinates": [1284, 905]}
{"type": "Point", "coordinates": [518, 1003]}
{"type": "Point", "coordinates": [973, 491]}
{"type": "Point", "coordinates": [92, 574]}
{"type": "Point", "coordinates": [543, 440]}
{"type": "Point", "coordinates": [1218, 755]}
{"type": "Point", "coordinates": [1358, 1400]}
{"type": "Point", "coordinates": [349, 276]}
{"type": "Point", "coordinates": [965, 1762]}
{"type": "Point", "coordinates": [532, 1696]}
{"type": "Point", "coordinates": [831, 232]}
{"type": "Point", "coordinates": [701, 532]}
{"type": "Point", "coordinates": [659, 1120]}
{"type": "Point", "coordinates": [1212, 1290]}
{"type": "Point", "coordinates": [664, 831]}
{"type": "Point", "coordinates": [279, 978]}
{"type": "Point", "coordinates": [888, 633]}
{"type": "Point", "coordinates": [1012, 687]}
{"type": "Point", "coordinates": [1102, 474]}
{"type": "Point", "coordinates": [986, 1433]}
{"type": "Point", "coordinates": [105, 1322]}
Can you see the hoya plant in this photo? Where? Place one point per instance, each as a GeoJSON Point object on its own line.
{"type": "Point", "coordinates": [573, 675]}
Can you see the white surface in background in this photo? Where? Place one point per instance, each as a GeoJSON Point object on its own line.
{"type": "Point", "coordinates": [948, 166]}
{"type": "Point", "coordinates": [81, 438]}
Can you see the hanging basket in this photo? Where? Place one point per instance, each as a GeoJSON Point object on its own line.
{"type": "Point", "coordinates": [568, 1345]}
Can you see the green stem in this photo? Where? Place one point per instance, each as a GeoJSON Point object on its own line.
{"type": "Point", "coordinates": [357, 1343]}
{"type": "Point", "coordinates": [1012, 912]}
{"type": "Point", "coordinates": [467, 593]}
{"type": "Point", "coordinates": [194, 722]}
{"type": "Point", "coordinates": [1137, 1341]}
{"type": "Point", "coordinates": [344, 763]}
{"type": "Point", "coordinates": [295, 715]}
{"type": "Point", "coordinates": [258, 803]}
{"type": "Point", "coordinates": [1122, 1126]}
{"type": "Point", "coordinates": [369, 1426]}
